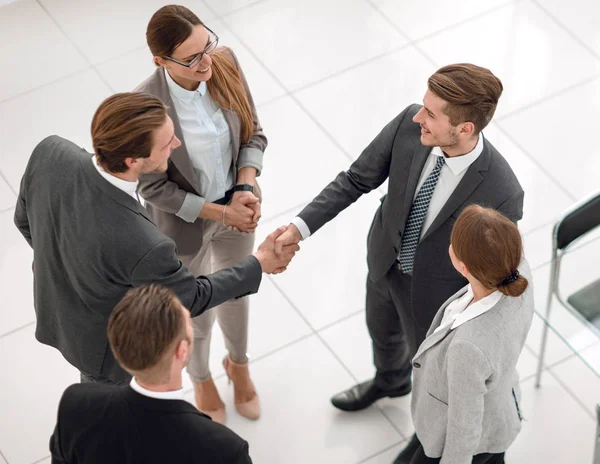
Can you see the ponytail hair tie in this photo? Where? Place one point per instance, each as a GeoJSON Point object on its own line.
{"type": "Point", "coordinates": [510, 279]}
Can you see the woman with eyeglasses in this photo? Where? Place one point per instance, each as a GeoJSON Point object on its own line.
{"type": "Point", "coordinates": [465, 403]}
{"type": "Point", "coordinates": [208, 201]}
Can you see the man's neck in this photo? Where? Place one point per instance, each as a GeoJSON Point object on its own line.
{"type": "Point", "coordinates": [461, 149]}
{"type": "Point", "coordinates": [129, 175]}
{"type": "Point", "coordinates": [175, 383]}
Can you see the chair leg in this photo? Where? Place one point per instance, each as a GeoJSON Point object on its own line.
{"type": "Point", "coordinates": [551, 290]}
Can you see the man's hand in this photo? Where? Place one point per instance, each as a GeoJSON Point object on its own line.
{"type": "Point", "coordinates": [240, 213]}
{"type": "Point", "coordinates": [291, 236]}
{"type": "Point", "coordinates": [271, 261]}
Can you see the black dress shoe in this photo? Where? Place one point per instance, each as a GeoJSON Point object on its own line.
{"type": "Point", "coordinates": [408, 452]}
{"type": "Point", "coordinates": [364, 394]}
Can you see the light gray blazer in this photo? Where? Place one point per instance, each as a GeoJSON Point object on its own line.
{"type": "Point", "coordinates": [465, 383]}
{"type": "Point", "coordinates": [165, 192]}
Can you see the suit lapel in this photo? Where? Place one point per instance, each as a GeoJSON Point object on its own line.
{"type": "Point", "coordinates": [471, 180]}
{"type": "Point", "coordinates": [180, 156]}
{"type": "Point", "coordinates": [416, 167]}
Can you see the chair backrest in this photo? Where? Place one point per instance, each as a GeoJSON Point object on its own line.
{"type": "Point", "coordinates": [577, 221]}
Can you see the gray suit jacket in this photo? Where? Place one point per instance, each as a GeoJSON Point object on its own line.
{"type": "Point", "coordinates": [397, 153]}
{"type": "Point", "coordinates": [466, 392]}
{"type": "Point", "coordinates": [165, 192]}
{"type": "Point", "coordinates": [92, 242]}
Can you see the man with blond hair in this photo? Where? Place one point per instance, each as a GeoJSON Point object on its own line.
{"type": "Point", "coordinates": [151, 336]}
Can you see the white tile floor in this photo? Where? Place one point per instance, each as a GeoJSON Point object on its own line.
{"type": "Point", "coordinates": [327, 76]}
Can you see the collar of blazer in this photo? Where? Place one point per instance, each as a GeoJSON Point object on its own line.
{"type": "Point", "coordinates": [166, 406]}
{"type": "Point", "coordinates": [108, 189]}
{"type": "Point", "coordinates": [433, 338]}
{"type": "Point", "coordinates": [157, 85]}
{"type": "Point", "coordinates": [471, 180]}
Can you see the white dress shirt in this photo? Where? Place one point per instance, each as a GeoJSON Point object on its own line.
{"type": "Point", "coordinates": [169, 395]}
{"type": "Point", "coordinates": [208, 143]}
{"type": "Point", "coordinates": [130, 188]}
{"type": "Point", "coordinates": [458, 312]}
{"type": "Point", "coordinates": [452, 172]}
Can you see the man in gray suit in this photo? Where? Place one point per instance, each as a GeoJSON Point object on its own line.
{"type": "Point", "coordinates": [93, 240]}
{"type": "Point", "coordinates": [437, 162]}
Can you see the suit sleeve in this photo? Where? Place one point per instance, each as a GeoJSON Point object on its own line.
{"type": "Point", "coordinates": [251, 152]}
{"type": "Point", "coordinates": [21, 219]}
{"type": "Point", "coordinates": [512, 208]}
{"type": "Point", "coordinates": [242, 456]}
{"type": "Point", "coordinates": [161, 266]}
{"type": "Point", "coordinates": [367, 173]}
{"type": "Point", "coordinates": [468, 369]}
{"type": "Point", "coordinates": [55, 440]}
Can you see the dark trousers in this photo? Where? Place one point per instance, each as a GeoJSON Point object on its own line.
{"type": "Point", "coordinates": [394, 333]}
{"type": "Point", "coordinates": [414, 454]}
{"type": "Point", "coordinates": [85, 378]}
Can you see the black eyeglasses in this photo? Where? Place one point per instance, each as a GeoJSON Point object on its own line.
{"type": "Point", "coordinates": [213, 40]}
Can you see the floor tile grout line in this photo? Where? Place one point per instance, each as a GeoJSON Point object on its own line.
{"type": "Point", "coordinates": [13, 331]}
{"type": "Point", "coordinates": [79, 50]}
{"type": "Point", "coordinates": [549, 97]}
{"type": "Point", "coordinates": [9, 185]}
{"type": "Point", "coordinates": [236, 10]}
{"type": "Point", "coordinates": [386, 449]}
{"type": "Point", "coordinates": [571, 394]}
{"type": "Point", "coordinates": [40, 460]}
{"type": "Point", "coordinates": [287, 211]}
{"type": "Point", "coordinates": [39, 87]}
{"type": "Point", "coordinates": [334, 354]}
{"type": "Point", "coordinates": [535, 161]}
{"type": "Point", "coordinates": [3, 457]}
{"type": "Point", "coordinates": [566, 29]}
{"type": "Point", "coordinates": [288, 91]}
{"type": "Point", "coordinates": [338, 321]}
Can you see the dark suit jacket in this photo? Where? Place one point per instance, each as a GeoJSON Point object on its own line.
{"type": "Point", "coordinates": [108, 424]}
{"type": "Point", "coordinates": [92, 242]}
{"type": "Point", "coordinates": [397, 153]}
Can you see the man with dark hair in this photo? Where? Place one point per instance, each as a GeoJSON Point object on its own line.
{"type": "Point", "coordinates": [93, 240]}
{"type": "Point", "coordinates": [151, 336]}
{"type": "Point", "coordinates": [437, 162]}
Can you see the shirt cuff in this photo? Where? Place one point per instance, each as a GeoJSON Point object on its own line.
{"type": "Point", "coordinates": [191, 207]}
{"type": "Point", "coordinates": [302, 227]}
{"type": "Point", "coordinates": [251, 157]}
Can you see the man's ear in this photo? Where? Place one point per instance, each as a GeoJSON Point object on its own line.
{"type": "Point", "coordinates": [468, 128]}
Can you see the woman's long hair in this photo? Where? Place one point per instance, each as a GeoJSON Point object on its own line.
{"type": "Point", "coordinates": [168, 28]}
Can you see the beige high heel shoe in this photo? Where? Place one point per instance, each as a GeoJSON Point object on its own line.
{"type": "Point", "coordinates": [208, 400]}
{"type": "Point", "coordinates": [245, 396]}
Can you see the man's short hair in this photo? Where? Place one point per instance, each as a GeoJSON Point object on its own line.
{"type": "Point", "coordinates": [471, 93]}
{"type": "Point", "coordinates": [123, 127]}
{"type": "Point", "coordinates": [144, 329]}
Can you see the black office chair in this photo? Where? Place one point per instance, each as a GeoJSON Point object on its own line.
{"type": "Point", "coordinates": [576, 222]}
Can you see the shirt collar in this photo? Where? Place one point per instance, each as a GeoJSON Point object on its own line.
{"type": "Point", "coordinates": [458, 164]}
{"type": "Point", "coordinates": [130, 188]}
{"type": "Point", "coordinates": [186, 96]}
{"type": "Point", "coordinates": [168, 395]}
{"type": "Point", "coordinates": [477, 308]}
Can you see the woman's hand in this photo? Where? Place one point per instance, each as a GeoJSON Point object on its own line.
{"type": "Point", "coordinates": [243, 212]}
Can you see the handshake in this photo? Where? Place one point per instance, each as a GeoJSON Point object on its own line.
{"type": "Point", "coordinates": [278, 249]}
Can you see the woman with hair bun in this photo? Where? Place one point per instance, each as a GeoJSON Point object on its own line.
{"type": "Point", "coordinates": [465, 403]}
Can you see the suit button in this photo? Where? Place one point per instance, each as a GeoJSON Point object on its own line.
{"type": "Point", "coordinates": [416, 365]}
{"type": "Point", "coordinates": [399, 234]}
{"type": "Point", "coordinates": [396, 250]}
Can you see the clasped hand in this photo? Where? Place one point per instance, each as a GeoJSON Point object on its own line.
{"type": "Point", "coordinates": [243, 212]}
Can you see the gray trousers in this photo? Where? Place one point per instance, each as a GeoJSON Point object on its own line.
{"type": "Point", "coordinates": [394, 333]}
{"type": "Point", "coordinates": [85, 378]}
{"type": "Point", "coordinates": [221, 248]}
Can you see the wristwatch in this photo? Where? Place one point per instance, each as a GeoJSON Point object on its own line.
{"type": "Point", "coordinates": [243, 188]}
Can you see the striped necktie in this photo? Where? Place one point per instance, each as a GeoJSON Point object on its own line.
{"type": "Point", "coordinates": [416, 217]}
